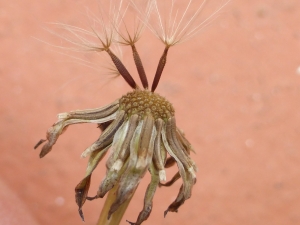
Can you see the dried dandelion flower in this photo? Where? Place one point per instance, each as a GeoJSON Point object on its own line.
{"type": "Point", "coordinates": [140, 127]}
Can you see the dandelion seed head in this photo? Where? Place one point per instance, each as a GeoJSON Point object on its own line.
{"type": "Point", "coordinates": [140, 127]}
{"type": "Point", "coordinates": [143, 102]}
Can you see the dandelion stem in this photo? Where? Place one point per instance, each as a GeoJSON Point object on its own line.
{"type": "Point", "coordinates": [116, 216]}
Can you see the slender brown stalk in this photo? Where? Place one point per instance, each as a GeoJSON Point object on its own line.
{"type": "Point", "coordinates": [122, 69]}
{"type": "Point", "coordinates": [139, 66]}
{"type": "Point", "coordinates": [116, 216]}
{"type": "Point", "coordinates": [160, 68]}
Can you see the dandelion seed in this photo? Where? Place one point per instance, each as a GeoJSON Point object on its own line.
{"type": "Point", "coordinates": [140, 127]}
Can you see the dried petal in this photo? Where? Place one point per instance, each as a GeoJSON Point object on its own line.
{"type": "Point", "coordinates": [110, 180]}
{"type": "Point", "coordinates": [178, 151]}
{"type": "Point", "coordinates": [128, 185]}
{"type": "Point", "coordinates": [121, 153]}
{"type": "Point", "coordinates": [146, 145]}
{"type": "Point", "coordinates": [141, 152]}
{"type": "Point", "coordinates": [112, 177]}
{"type": "Point", "coordinates": [172, 181]}
{"type": "Point", "coordinates": [59, 127]}
{"type": "Point", "coordinates": [185, 192]}
{"type": "Point", "coordinates": [177, 203]}
{"type": "Point", "coordinates": [91, 114]}
{"type": "Point", "coordinates": [186, 144]}
{"type": "Point", "coordinates": [81, 190]}
{"type": "Point", "coordinates": [95, 158]}
{"type": "Point", "coordinates": [148, 200]}
{"type": "Point", "coordinates": [107, 136]}
{"type": "Point", "coordinates": [114, 166]}
{"type": "Point", "coordinates": [125, 149]}
{"type": "Point", "coordinates": [182, 171]}
{"type": "Point", "coordinates": [158, 159]}
{"type": "Point", "coordinates": [118, 140]}
{"type": "Point", "coordinates": [39, 143]}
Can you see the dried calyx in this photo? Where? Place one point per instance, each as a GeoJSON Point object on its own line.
{"type": "Point", "coordinates": [141, 131]}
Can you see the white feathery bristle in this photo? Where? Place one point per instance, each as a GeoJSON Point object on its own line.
{"type": "Point", "coordinates": [162, 175]}
{"type": "Point", "coordinates": [181, 22]}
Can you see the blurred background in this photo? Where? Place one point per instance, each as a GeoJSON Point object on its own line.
{"type": "Point", "coordinates": [235, 88]}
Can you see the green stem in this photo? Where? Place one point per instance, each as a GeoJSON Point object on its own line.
{"type": "Point", "coordinates": [116, 216]}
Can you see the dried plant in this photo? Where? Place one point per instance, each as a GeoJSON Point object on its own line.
{"type": "Point", "coordinates": [140, 127]}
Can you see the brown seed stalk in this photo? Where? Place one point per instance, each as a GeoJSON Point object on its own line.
{"type": "Point", "coordinates": [139, 67]}
{"type": "Point", "coordinates": [122, 69]}
{"type": "Point", "coordinates": [160, 68]}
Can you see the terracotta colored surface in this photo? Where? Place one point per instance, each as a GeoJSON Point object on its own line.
{"type": "Point", "coordinates": [236, 89]}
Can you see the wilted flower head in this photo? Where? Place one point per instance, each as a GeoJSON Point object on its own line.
{"type": "Point", "coordinates": [140, 127]}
